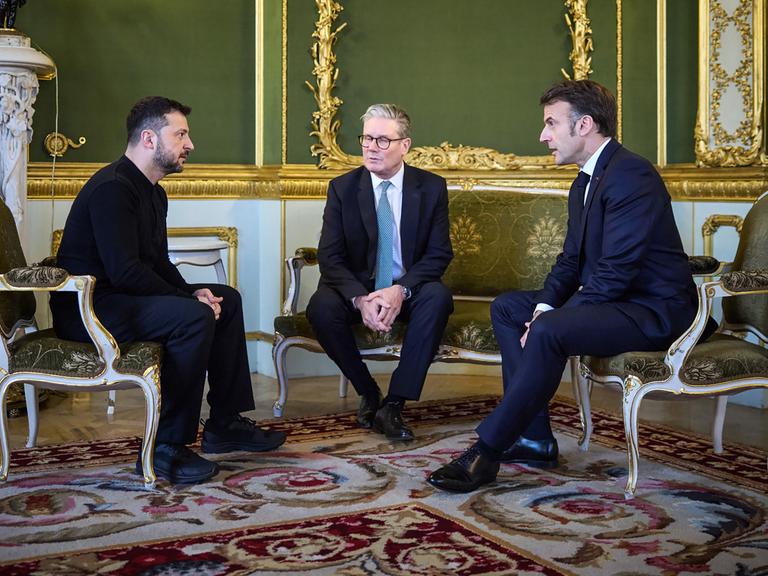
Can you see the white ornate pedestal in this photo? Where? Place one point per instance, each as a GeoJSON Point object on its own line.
{"type": "Point", "coordinates": [20, 67]}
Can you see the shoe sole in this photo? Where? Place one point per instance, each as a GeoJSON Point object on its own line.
{"type": "Point", "coordinates": [378, 430]}
{"type": "Point", "coordinates": [175, 479]}
{"type": "Point", "coordinates": [459, 490]}
{"type": "Point", "coordinates": [223, 447]}
{"type": "Point", "coordinates": [533, 463]}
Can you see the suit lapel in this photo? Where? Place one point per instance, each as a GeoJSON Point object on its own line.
{"type": "Point", "coordinates": [409, 216]}
{"type": "Point", "coordinates": [596, 181]}
{"type": "Point", "coordinates": [367, 203]}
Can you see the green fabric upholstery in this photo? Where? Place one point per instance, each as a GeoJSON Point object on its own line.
{"type": "Point", "coordinates": [469, 327]}
{"type": "Point", "coordinates": [36, 277]}
{"type": "Point", "coordinates": [14, 306]}
{"type": "Point", "coordinates": [43, 352]}
{"type": "Point", "coordinates": [720, 359]}
{"type": "Point", "coordinates": [503, 240]}
{"type": "Point", "coordinates": [751, 254]}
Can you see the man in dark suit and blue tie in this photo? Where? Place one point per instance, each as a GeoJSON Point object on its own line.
{"type": "Point", "coordinates": [621, 283]}
{"type": "Point", "coordinates": [383, 248]}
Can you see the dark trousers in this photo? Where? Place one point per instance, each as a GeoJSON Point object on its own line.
{"type": "Point", "coordinates": [194, 342]}
{"type": "Point", "coordinates": [427, 312]}
{"type": "Point", "coordinates": [532, 374]}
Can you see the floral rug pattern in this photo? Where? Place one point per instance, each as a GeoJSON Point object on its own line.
{"type": "Point", "coordinates": [340, 500]}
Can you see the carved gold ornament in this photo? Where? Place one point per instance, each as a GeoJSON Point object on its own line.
{"type": "Point", "coordinates": [56, 144]}
{"type": "Point", "coordinates": [581, 37]}
{"type": "Point", "coordinates": [325, 125]}
{"type": "Point", "coordinates": [729, 127]}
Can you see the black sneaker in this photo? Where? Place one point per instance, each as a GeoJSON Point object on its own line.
{"type": "Point", "coordinates": [179, 465]}
{"type": "Point", "coordinates": [240, 434]}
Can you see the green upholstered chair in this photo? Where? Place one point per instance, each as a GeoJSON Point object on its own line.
{"type": "Point", "coordinates": [35, 358]}
{"type": "Point", "coordinates": [502, 240]}
{"type": "Point", "coordinates": [726, 363]}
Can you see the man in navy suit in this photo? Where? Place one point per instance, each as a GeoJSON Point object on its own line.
{"type": "Point", "coordinates": [621, 283]}
{"type": "Point", "coordinates": [383, 248]}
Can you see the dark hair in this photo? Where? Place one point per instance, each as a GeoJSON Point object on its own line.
{"type": "Point", "coordinates": [149, 114]}
{"type": "Point", "coordinates": [587, 98]}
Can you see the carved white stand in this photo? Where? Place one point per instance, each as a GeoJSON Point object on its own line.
{"type": "Point", "coordinates": [20, 67]}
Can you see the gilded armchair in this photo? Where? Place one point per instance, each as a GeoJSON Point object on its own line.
{"type": "Point", "coordinates": [726, 363]}
{"type": "Point", "coordinates": [35, 358]}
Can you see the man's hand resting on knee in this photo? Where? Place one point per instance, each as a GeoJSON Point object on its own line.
{"type": "Point", "coordinates": [205, 296]}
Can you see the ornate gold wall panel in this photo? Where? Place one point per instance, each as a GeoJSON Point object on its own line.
{"type": "Point", "coordinates": [325, 125]}
{"type": "Point", "coordinates": [729, 127]}
{"type": "Point", "coordinates": [305, 181]}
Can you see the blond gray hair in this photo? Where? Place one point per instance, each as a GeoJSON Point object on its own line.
{"type": "Point", "coordinates": [390, 112]}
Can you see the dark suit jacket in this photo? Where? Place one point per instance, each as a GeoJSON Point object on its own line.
{"type": "Point", "coordinates": [624, 247]}
{"type": "Point", "coordinates": [347, 249]}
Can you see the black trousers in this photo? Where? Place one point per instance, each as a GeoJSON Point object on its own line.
{"type": "Point", "coordinates": [332, 317]}
{"type": "Point", "coordinates": [532, 374]}
{"type": "Point", "coordinates": [194, 343]}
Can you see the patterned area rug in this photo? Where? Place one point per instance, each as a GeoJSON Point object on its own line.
{"type": "Point", "coordinates": [338, 500]}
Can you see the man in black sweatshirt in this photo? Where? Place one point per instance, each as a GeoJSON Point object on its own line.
{"type": "Point", "coordinates": [116, 232]}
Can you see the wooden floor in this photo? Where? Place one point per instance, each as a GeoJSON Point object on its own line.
{"type": "Point", "coordinates": [83, 416]}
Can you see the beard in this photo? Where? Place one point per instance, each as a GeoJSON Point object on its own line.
{"type": "Point", "coordinates": [166, 160]}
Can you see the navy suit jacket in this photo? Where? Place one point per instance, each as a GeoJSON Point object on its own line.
{"type": "Point", "coordinates": [347, 249]}
{"type": "Point", "coordinates": [623, 247]}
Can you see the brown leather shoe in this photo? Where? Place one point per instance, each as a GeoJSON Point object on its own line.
{"type": "Point", "coordinates": [389, 421]}
{"type": "Point", "coordinates": [466, 473]}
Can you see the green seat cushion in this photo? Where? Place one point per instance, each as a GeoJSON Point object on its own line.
{"type": "Point", "coordinates": [468, 327]}
{"type": "Point", "coordinates": [720, 359]}
{"type": "Point", "coordinates": [43, 352]}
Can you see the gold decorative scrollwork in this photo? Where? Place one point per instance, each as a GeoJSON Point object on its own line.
{"type": "Point", "coordinates": [740, 145]}
{"type": "Point", "coordinates": [56, 144]}
{"type": "Point", "coordinates": [325, 125]}
{"type": "Point", "coordinates": [581, 37]}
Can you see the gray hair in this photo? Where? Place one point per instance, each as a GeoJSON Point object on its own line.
{"type": "Point", "coordinates": [390, 112]}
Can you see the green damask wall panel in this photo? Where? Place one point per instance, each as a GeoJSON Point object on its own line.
{"type": "Point", "coordinates": [273, 81]}
{"type": "Point", "coordinates": [111, 53]}
{"type": "Point", "coordinates": [639, 84]}
{"type": "Point", "coordinates": [682, 78]}
{"type": "Point", "coordinates": [468, 72]}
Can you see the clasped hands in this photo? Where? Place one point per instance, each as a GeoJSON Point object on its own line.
{"type": "Point", "coordinates": [205, 296]}
{"type": "Point", "coordinates": [380, 308]}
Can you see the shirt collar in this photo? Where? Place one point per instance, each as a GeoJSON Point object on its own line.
{"type": "Point", "coordinates": [396, 180]}
{"type": "Point", "coordinates": [589, 165]}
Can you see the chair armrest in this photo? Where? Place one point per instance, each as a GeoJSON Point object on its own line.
{"type": "Point", "coordinates": [704, 265]}
{"type": "Point", "coordinates": [49, 279]}
{"type": "Point", "coordinates": [736, 283]}
{"type": "Point", "coordinates": [304, 256]}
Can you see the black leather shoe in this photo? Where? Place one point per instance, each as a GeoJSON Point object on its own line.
{"type": "Point", "coordinates": [389, 421]}
{"type": "Point", "coordinates": [534, 453]}
{"type": "Point", "coordinates": [466, 473]}
{"type": "Point", "coordinates": [241, 434]}
{"type": "Point", "coordinates": [369, 403]}
{"type": "Point", "coordinates": [179, 465]}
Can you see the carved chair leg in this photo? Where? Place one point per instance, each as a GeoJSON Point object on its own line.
{"type": "Point", "coordinates": [582, 389]}
{"type": "Point", "coordinates": [279, 350]}
{"type": "Point", "coordinates": [631, 406]}
{"type": "Point", "coordinates": [111, 398]}
{"type": "Point", "coordinates": [5, 451]}
{"type": "Point", "coordinates": [151, 388]}
{"type": "Point", "coordinates": [717, 424]}
{"type": "Point", "coordinates": [33, 412]}
{"type": "Point", "coordinates": [343, 385]}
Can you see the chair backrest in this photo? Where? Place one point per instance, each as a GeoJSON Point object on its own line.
{"type": "Point", "coordinates": [751, 254]}
{"type": "Point", "coordinates": [504, 239]}
{"type": "Point", "coordinates": [14, 306]}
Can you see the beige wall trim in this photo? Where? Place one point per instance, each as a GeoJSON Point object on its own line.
{"type": "Point", "coordinates": [307, 181]}
{"type": "Point", "coordinates": [260, 336]}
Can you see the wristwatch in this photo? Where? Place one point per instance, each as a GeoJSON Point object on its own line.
{"type": "Point", "coordinates": [406, 292]}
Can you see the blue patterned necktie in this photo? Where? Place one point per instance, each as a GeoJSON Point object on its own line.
{"type": "Point", "coordinates": [384, 248]}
